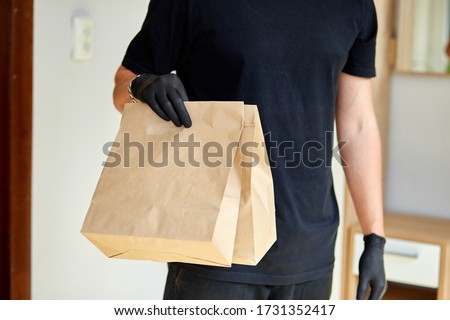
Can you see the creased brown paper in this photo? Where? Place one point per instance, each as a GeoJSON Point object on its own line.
{"type": "Point", "coordinates": [175, 194]}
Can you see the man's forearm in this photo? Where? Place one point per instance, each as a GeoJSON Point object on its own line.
{"type": "Point", "coordinates": [362, 155]}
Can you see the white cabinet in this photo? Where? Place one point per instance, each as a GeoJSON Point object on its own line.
{"type": "Point", "coordinates": [417, 253]}
{"type": "Point", "coordinates": [405, 261]}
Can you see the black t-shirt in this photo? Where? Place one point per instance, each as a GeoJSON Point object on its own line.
{"type": "Point", "coordinates": [284, 56]}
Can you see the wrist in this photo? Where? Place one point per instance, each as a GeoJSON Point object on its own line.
{"type": "Point", "coordinates": [138, 84]}
{"type": "Point", "coordinates": [131, 95]}
{"type": "Point", "coordinates": [374, 224]}
{"type": "Point", "coordinates": [375, 241]}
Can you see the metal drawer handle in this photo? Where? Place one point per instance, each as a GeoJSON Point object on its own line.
{"type": "Point", "coordinates": [410, 255]}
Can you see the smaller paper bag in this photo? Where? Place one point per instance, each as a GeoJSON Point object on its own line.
{"type": "Point", "coordinates": [256, 227]}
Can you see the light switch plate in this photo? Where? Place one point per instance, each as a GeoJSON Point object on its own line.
{"type": "Point", "coordinates": [83, 38]}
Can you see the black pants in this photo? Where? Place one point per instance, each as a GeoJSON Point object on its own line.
{"type": "Point", "coordinates": [185, 285]}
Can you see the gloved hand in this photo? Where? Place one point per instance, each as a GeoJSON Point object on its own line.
{"type": "Point", "coordinates": [371, 268]}
{"type": "Point", "coordinates": [165, 95]}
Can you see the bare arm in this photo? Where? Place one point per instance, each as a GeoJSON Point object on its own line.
{"type": "Point", "coordinates": [122, 80]}
{"type": "Point", "coordinates": [356, 124]}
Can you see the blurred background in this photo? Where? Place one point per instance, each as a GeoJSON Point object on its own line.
{"type": "Point", "coordinates": [72, 48]}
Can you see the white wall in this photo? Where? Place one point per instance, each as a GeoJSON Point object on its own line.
{"type": "Point", "coordinates": [73, 118]}
{"type": "Point", "coordinates": [419, 146]}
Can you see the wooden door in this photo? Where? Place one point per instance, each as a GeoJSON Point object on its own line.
{"type": "Point", "coordinates": [16, 48]}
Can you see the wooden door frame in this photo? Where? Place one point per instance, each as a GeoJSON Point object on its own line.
{"type": "Point", "coordinates": [16, 76]}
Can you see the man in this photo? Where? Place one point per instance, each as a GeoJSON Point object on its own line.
{"type": "Point", "coordinates": [304, 63]}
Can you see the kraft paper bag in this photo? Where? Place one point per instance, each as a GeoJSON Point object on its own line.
{"type": "Point", "coordinates": [155, 203]}
{"type": "Point", "coordinates": [256, 227]}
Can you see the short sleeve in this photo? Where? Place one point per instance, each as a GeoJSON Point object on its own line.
{"type": "Point", "coordinates": [361, 57]}
{"type": "Point", "coordinates": [161, 44]}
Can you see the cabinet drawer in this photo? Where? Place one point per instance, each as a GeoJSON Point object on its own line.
{"type": "Point", "coordinates": [407, 262]}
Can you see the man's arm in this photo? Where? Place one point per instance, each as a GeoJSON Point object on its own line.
{"type": "Point", "coordinates": [122, 80]}
{"type": "Point", "coordinates": [357, 125]}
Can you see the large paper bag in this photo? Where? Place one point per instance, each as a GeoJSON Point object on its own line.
{"type": "Point", "coordinates": [184, 210]}
{"type": "Point", "coordinates": [256, 228]}
{"type": "Point", "coordinates": [144, 208]}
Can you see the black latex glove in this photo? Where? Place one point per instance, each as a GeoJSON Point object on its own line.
{"type": "Point", "coordinates": [165, 95]}
{"type": "Point", "coordinates": [371, 268]}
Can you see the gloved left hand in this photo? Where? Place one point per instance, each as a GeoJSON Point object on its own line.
{"type": "Point", "coordinates": [371, 268]}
